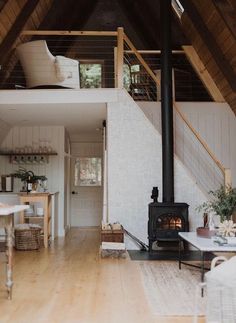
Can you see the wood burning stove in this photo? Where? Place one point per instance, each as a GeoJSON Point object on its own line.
{"type": "Point", "coordinates": [168, 218]}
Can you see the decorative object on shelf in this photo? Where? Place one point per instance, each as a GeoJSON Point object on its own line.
{"type": "Point", "coordinates": [30, 154]}
{"type": "Point", "coordinates": [222, 204]}
{"type": "Point", "coordinates": [30, 211]}
{"type": "Point", "coordinates": [7, 183]}
{"type": "Point", "coordinates": [29, 178]}
{"type": "Point", "coordinates": [227, 228]}
{"type": "Point", "coordinates": [208, 229]}
{"type": "Point", "coordinates": [155, 194]}
{"type": "Point", "coordinates": [29, 159]}
{"type": "Point", "coordinates": [205, 232]}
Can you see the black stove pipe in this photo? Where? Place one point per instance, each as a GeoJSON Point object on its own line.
{"type": "Point", "coordinates": [167, 104]}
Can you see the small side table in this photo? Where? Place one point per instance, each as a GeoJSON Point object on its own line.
{"type": "Point", "coordinates": [45, 199]}
{"type": "Point", "coordinates": [203, 245]}
{"type": "Point", "coordinates": [6, 221]}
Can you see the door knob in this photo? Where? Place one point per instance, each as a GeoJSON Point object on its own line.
{"type": "Point", "coordinates": [73, 192]}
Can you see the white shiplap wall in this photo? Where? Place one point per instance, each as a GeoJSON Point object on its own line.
{"type": "Point", "coordinates": [215, 122]}
{"type": "Point", "coordinates": [4, 128]}
{"type": "Point", "coordinates": [54, 170]}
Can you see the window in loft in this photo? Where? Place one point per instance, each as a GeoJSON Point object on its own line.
{"type": "Point", "coordinates": [127, 72]}
{"type": "Point", "coordinates": [91, 74]}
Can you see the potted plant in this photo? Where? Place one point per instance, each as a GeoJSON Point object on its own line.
{"type": "Point", "coordinates": [28, 177]}
{"type": "Point", "coordinates": [223, 204]}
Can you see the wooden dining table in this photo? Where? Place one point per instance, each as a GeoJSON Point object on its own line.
{"type": "Point", "coordinates": [7, 222]}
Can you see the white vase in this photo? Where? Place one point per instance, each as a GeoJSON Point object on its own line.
{"type": "Point", "coordinates": [211, 223]}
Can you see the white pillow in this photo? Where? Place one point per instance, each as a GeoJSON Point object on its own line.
{"type": "Point", "coordinates": [63, 66]}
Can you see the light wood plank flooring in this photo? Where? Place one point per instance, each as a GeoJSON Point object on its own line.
{"type": "Point", "coordinates": [70, 283]}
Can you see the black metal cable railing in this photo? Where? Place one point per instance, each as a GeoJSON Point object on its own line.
{"type": "Point", "coordinates": [97, 67]}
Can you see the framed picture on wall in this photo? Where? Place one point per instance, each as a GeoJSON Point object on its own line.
{"type": "Point", "coordinates": [88, 171]}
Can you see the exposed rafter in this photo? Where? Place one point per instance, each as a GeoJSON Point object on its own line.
{"type": "Point", "coordinates": [227, 13]}
{"type": "Point", "coordinates": [203, 74]}
{"type": "Point", "coordinates": [16, 29]}
{"type": "Point", "coordinates": [211, 43]}
{"type": "Point", "coordinates": [2, 4]}
{"type": "Point", "coordinates": [232, 3]}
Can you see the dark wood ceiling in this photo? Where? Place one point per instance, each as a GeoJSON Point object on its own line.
{"type": "Point", "coordinates": [140, 19]}
{"type": "Point", "coordinates": [210, 25]}
{"type": "Point", "coordinates": [2, 3]}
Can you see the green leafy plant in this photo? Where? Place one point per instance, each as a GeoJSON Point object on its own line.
{"type": "Point", "coordinates": [25, 175]}
{"type": "Point", "coordinates": [223, 202]}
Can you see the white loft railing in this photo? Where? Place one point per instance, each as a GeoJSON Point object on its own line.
{"type": "Point", "coordinates": [189, 146]}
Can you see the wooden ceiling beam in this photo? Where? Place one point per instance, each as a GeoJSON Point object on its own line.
{"type": "Point", "coordinates": [232, 3]}
{"type": "Point", "coordinates": [14, 32]}
{"type": "Point", "coordinates": [2, 4]}
{"type": "Point", "coordinates": [227, 13]}
{"type": "Point", "coordinates": [209, 40]}
{"type": "Point", "coordinates": [203, 74]}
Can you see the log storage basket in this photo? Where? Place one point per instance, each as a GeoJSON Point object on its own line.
{"type": "Point", "coordinates": [28, 238]}
{"type": "Point", "coordinates": [115, 233]}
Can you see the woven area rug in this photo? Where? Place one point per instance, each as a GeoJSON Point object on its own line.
{"type": "Point", "coordinates": [170, 291]}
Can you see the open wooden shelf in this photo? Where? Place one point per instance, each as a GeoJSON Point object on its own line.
{"type": "Point", "coordinates": [28, 158]}
{"type": "Point", "coordinates": [27, 154]}
{"type": "Point", "coordinates": [33, 217]}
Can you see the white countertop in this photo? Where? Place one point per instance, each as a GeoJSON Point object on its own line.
{"type": "Point", "coordinates": [204, 244]}
{"type": "Point", "coordinates": [12, 209]}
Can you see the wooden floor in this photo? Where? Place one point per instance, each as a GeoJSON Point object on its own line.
{"type": "Point", "coordinates": [70, 283]}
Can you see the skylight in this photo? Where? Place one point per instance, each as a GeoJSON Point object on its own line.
{"type": "Point", "coordinates": [177, 6]}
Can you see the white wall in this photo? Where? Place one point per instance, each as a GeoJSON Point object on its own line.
{"type": "Point", "coordinates": [86, 206]}
{"type": "Point", "coordinates": [54, 170]}
{"type": "Point", "coordinates": [215, 122]}
{"type": "Point", "coordinates": [135, 166]}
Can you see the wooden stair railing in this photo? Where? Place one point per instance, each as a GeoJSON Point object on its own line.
{"type": "Point", "coordinates": [226, 172]}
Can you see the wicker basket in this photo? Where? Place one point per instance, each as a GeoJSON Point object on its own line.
{"type": "Point", "coordinates": [27, 239]}
{"type": "Point", "coordinates": [112, 235]}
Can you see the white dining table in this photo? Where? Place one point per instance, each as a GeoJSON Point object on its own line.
{"type": "Point", "coordinates": [7, 222]}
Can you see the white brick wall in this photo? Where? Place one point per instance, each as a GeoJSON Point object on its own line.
{"type": "Point", "coordinates": [135, 166]}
